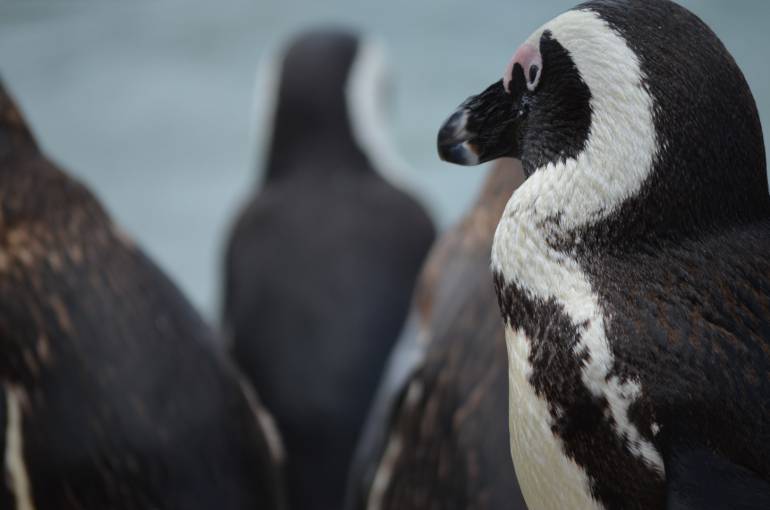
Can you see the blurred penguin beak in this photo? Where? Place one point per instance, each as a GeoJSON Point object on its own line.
{"type": "Point", "coordinates": [482, 129]}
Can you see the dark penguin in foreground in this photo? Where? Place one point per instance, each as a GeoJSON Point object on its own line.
{"type": "Point", "coordinates": [113, 395]}
{"type": "Point", "coordinates": [632, 265]}
{"type": "Point", "coordinates": [439, 438]}
{"type": "Point", "coordinates": [321, 264]}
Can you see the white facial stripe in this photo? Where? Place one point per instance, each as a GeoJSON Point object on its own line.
{"type": "Point", "coordinates": [617, 159]}
{"type": "Point", "coordinates": [364, 100]}
{"type": "Point", "coordinates": [264, 105]}
{"type": "Point", "coordinates": [622, 142]}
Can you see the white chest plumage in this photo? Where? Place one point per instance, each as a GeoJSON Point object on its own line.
{"type": "Point", "coordinates": [547, 477]}
{"type": "Point", "coordinates": [558, 198]}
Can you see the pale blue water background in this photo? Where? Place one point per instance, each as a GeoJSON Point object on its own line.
{"type": "Point", "coordinates": [149, 102]}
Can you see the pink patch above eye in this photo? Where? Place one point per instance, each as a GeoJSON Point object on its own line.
{"type": "Point", "coordinates": [531, 62]}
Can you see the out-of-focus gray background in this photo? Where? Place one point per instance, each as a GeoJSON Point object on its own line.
{"type": "Point", "coordinates": [149, 102]}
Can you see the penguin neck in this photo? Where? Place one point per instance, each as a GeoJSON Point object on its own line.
{"type": "Point", "coordinates": [579, 208]}
{"type": "Point", "coordinates": [566, 198]}
{"type": "Point", "coordinates": [15, 137]}
{"type": "Point", "coordinates": [640, 178]}
{"type": "Point", "coordinates": [310, 147]}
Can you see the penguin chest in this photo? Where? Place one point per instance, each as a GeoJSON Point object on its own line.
{"type": "Point", "coordinates": [548, 478]}
{"type": "Point", "coordinates": [571, 425]}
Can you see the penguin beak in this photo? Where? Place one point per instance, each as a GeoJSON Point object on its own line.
{"type": "Point", "coordinates": [482, 129]}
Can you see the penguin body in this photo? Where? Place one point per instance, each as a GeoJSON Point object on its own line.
{"type": "Point", "coordinates": [441, 440]}
{"type": "Point", "coordinates": [630, 266]}
{"type": "Point", "coordinates": [320, 267]}
{"type": "Point", "coordinates": [113, 393]}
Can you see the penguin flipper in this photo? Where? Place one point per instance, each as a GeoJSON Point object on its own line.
{"type": "Point", "coordinates": [697, 478]}
{"type": "Point", "coordinates": [405, 360]}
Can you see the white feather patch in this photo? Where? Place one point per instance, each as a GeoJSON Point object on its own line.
{"type": "Point", "coordinates": [365, 93]}
{"type": "Point", "coordinates": [387, 465]}
{"type": "Point", "coordinates": [264, 104]}
{"type": "Point", "coordinates": [15, 466]}
{"type": "Point", "coordinates": [265, 422]}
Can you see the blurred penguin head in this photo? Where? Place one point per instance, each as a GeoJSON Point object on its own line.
{"type": "Point", "coordinates": [332, 82]}
{"type": "Point", "coordinates": [328, 88]}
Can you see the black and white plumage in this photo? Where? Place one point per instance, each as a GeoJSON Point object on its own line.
{"type": "Point", "coordinates": [322, 262]}
{"type": "Point", "coordinates": [114, 395]}
{"type": "Point", "coordinates": [631, 266]}
{"type": "Point", "coordinates": [437, 437]}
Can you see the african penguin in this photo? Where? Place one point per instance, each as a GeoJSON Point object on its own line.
{"type": "Point", "coordinates": [321, 262]}
{"type": "Point", "coordinates": [437, 436]}
{"type": "Point", "coordinates": [112, 393]}
{"type": "Point", "coordinates": [631, 266]}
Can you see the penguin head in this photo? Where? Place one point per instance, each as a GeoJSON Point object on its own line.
{"type": "Point", "coordinates": [620, 104]}
{"type": "Point", "coordinates": [550, 102]}
{"type": "Point", "coordinates": [314, 73]}
{"type": "Point", "coordinates": [333, 89]}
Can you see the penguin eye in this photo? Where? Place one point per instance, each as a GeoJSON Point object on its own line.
{"type": "Point", "coordinates": [534, 77]}
{"type": "Point", "coordinates": [530, 61]}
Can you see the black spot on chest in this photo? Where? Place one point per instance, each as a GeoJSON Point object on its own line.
{"type": "Point", "coordinates": [581, 420]}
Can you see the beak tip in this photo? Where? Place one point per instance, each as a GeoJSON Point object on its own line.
{"type": "Point", "coordinates": [453, 141]}
{"type": "Point", "coordinates": [458, 153]}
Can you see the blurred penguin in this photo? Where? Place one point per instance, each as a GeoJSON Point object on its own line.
{"type": "Point", "coordinates": [437, 436]}
{"type": "Point", "coordinates": [113, 395]}
{"type": "Point", "coordinates": [322, 261]}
